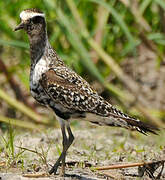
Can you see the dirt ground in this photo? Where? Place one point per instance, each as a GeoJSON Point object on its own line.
{"type": "Point", "coordinates": [93, 146]}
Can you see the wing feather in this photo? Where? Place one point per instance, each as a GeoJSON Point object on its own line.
{"type": "Point", "coordinates": [64, 86]}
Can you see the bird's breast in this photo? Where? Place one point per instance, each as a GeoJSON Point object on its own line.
{"type": "Point", "coordinates": [35, 75]}
{"type": "Point", "coordinates": [40, 68]}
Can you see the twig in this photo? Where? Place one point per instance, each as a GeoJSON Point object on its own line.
{"type": "Point", "coordinates": [119, 166]}
{"type": "Point", "coordinates": [30, 150]}
{"type": "Point", "coordinates": [37, 175]}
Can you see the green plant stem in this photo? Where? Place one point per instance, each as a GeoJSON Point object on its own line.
{"type": "Point", "coordinates": [21, 107]}
{"type": "Point", "coordinates": [135, 10]}
{"type": "Point", "coordinates": [118, 18]}
{"type": "Point", "coordinates": [161, 3]}
{"type": "Point", "coordinates": [19, 123]}
{"type": "Point", "coordinates": [102, 18]}
{"type": "Point", "coordinates": [14, 43]}
{"type": "Point", "coordinates": [143, 6]}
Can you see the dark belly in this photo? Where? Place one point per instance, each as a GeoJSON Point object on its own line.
{"type": "Point", "coordinates": [64, 113]}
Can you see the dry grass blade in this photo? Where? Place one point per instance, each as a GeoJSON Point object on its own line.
{"type": "Point", "coordinates": [20, 123]}
{"type": "Point", "coordinates": [102, 17]}
{"type": "Point", "coordinates": [41, 154]}
{"type": "Point", "coordinates": [30, 150]}
{"type": "Point", "coordinates": [119, 166]}
{"type": "Point", "coordinates": [2, 164]}
{"type": "Point", "coordinates": [37, 175]}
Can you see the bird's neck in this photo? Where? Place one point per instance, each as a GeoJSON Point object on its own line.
{"type": "Point", "coordinates": [38, 45]}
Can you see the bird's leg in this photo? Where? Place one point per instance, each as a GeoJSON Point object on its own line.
{"type": "Point", "coordinates": [71, 137]}
{"type": "Point", "coordinates": [66, 144]}
{"type": "Point", "coordinates": [63, 154]}
{"type": "Point", "coordinates": [69, 142]}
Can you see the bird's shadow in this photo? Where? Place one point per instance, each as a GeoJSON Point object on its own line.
{"type": "Point", "coordinates": [79, 177]}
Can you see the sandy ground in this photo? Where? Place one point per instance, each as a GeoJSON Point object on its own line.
{"type": "Point", "coordinates": [93, 146]}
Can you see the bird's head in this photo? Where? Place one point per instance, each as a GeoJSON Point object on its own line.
{"type": "Point", "coordinates": [32, 21]}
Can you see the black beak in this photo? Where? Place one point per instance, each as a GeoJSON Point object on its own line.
{"type": "Point", "coordinates": [20, 26]}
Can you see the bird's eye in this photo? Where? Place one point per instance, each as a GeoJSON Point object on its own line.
{"type": "Point", "coordinates": [28, 21]}
{"type": "Point", "coordinates": [37, 19]}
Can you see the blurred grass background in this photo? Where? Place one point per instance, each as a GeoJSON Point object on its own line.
{"type": "Point", "coordinates": [118, 46]}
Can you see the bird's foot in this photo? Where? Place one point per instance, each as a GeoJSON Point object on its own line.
{"type": "Point", "coordinates": [54, 169]}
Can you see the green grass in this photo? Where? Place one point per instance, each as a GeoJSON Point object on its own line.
{"type": "Point", "coordinates": [12, 157]}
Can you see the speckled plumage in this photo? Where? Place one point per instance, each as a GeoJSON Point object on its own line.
{"type": "Point", "coordinates": [55, 85]}
{"type": "Point", "coordinates": [69, 95]}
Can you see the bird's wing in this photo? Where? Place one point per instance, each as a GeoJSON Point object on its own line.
{"type": "Point", "coordinates": [67, 88]}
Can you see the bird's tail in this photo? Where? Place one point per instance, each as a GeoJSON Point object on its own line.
{"type": "Point", "coordinates": [144, 128]}
{"type": "Point", "coordinates": [123, 120]}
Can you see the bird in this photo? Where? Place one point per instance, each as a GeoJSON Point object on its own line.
{"type": "Point", "coordinates": [58, 87]}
